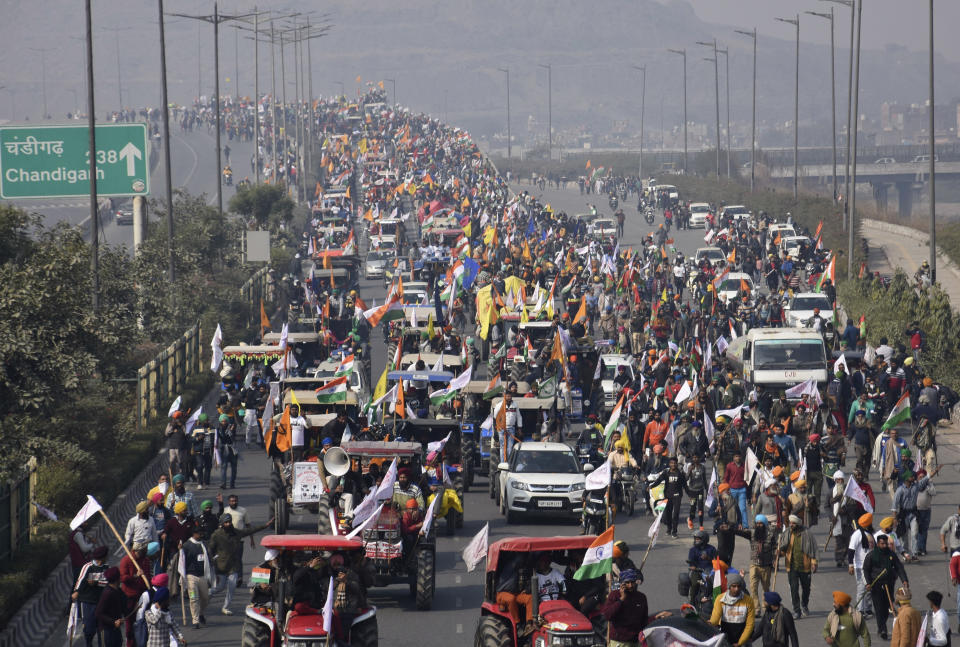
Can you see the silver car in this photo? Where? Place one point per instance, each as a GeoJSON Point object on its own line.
{"type": "Point", "coordinates": [375, 265]}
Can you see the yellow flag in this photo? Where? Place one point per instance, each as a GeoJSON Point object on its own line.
{"type": "Point", "coordinates": [293, 398]}
{"type": "Point", "coordinates": [524, 317]}
{"type": "Point", "coordinates": [412, 188]}
{"type": "Point", "coordinates": [430, 326]}
{"type": "Point", "coordinates": [465, 203]}
{"type": "Point", "coordinates": [363, 145]}
{"type": "Point", "coordinates": [468, 229]}
{"type": "Point", "coordinates": [381, 387]}
{"type": "Point", "coordinates": [489, 234]}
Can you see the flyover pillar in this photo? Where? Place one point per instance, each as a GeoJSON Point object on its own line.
{"type": "Point", "coordinates": [905, 198]}
{"type": "Point", "coordinates": [880, 194]}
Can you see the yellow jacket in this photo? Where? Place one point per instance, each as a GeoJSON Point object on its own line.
{"type": "Point", "coordinates": [739, 611]}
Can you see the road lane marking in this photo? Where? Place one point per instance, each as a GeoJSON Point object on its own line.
{"type": "Point", "coordinates": [459, 629]}
{"type": "Point", "coordinates": [458, 579]}
{"type": "Point", "coordinates": [459, 602]}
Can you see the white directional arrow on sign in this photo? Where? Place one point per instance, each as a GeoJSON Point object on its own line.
{"type": "Point", "coordinates": [131, 153]}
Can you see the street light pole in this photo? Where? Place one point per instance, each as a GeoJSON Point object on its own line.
{"type": "Point", "coordinates": [796, 109]}
{"type": "Point", "coordinates": [215, 20]}
{"type": "Point", "coordinates": [683, 53]}
{"type": "Point", "coordinates": [643, 101]}
{"type": "Point", "coordinates": [165, 115]}
{"type": "Point", "coordinates": [851, 225]}
{"type": "Point", "coordinates": [116, 32]}
{"type": "Point", "coordinates": [846, 172]}
{"type": "Point", "coordinates": [43, 72]}
{"type": "Point", "coordinates": [753, 127]}
{"type": "Point", "coordinates": [833, 95]}
{"type": "Point", "coordinates": [726, 59]}
{"type": "Point", "coordinates": [393, 84]}
{"type": "Point", "coordinates": [549, 109]}
{"type": "Point", "coordinates": [933, 164]}
{"type": "Point", "coordinates": [716, 81]}
{"type": "Point", "coordinates": [506, 70]}
{"type": "Point", "coordinates": [92, 128]}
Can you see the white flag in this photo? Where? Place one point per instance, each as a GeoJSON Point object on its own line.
{"type": "Point", "coordinates": [869, 355]}
{"type": "Point", "coordinates": [684, 393]}
{"type": "Point", "coordinates": [182, 568]}
{"type": "Point", "coordinates": [752, 464]}
{"type": "Point", "coordinates": [709, 236]}
{"type": "Point", "coordinates": [922, 636]}
{"type": "Point", "coordinates": [855, 492]}
{"type": "Point", "coordinates": [476, 550]}
{"type": "Point", "coordinates": [328, 608]}
{"type": "Point", "coordinates": [841, 362]}
{"type": "Point", "coordinates": [708, 428]}
{"type": "Point", "coordinates": [366, 522]}
{"type": "Point", "coordinates": [215, 344]}
{"type": "Point", "coordinates": [599, 478]}
{"type": "Point", "coordinates": [731, 413]}
{"type": "Point", "coordinates": [385, 491]}
{"type": "Point", "coordinates": [438, 367]}
{"type": "Point", "coordinates": [808, 387]}
{"type": "Point", "coordinates": [284, 334]}
{"type": "Point", "coordinates": [708, 501]}
{"type": "Point", "coordinates": [670, 439]}
{"type": "Point", "coordinates": [438, 445]}
{"type": "Point", "coordinates": [389, 396]}
{"type": "Point", "coordinates": [654, 530]}
{"type": "Point", "coordinates": [366, 509]}
{"type": "Point", "coordinates": [722, 344]}
{"type": "Point", "coordinates": [175, 406]}
{"type": "Point", "coordinates": [90, 508]}
{"type": "Point", "coordinates": [74, 620]}
{"type": "Point", "coordinates": [192, 420]}
{"type": "Point", "coordinates": [428, 518]}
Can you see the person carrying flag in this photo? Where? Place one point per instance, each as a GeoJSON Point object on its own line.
{"type": "Point", "coordinates": [627, 613]}
{"type": "Point", "coordinates": [733, 612]}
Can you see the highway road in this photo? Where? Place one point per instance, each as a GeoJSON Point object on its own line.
{"type": "Point", "coordinates": [455, 614]}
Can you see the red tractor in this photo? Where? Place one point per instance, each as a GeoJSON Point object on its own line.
{"type": "Point", "coordinates": [556, 622]}
{"type": "Point", "coordinates": [272, 620]}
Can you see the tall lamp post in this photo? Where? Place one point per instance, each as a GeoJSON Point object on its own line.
{"type": "Point", "coordinates": [753, 127]}
{"type": "Point", "coordinates": [796, 108]}
{"type": "Point", "coordinates": [549, 70]}
{"type": "Point", "coordinates": [726, 58]}
{"type": "Point", "coordinates": [506, 70]}
{"type": "Point", "coordinates": [716, 81]}
{"type": "Point", "coordinates": [215, 19]}
{"type": "Point", "coordinates": [851, 223]}
{"type": "Point", "coordinates": [846, 173]}
{"type": "Point", "coordinates": [643, 101]}
{"type": "Point", "coordinates": [116, 33]}
{"type": "Point", "coordinates": [833, 94]}
{"type": "Point", "coordinates": [933, 164]}
{"type": "Point", "coordinates": [165, 116]}
{"type": "Point", "coordinates": [43, 73]}
{"type": "Point", "coordinates": [683, 53]}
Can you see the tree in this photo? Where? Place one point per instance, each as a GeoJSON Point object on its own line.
{"type": "Point", "coordinates": [267, 204]}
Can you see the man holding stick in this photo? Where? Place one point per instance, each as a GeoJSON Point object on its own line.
{"type": "Point", "coordinates": [882, 567]}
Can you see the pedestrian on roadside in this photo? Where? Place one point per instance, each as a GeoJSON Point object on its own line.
{"type": "Point", "coordinates": [87, 590]}
{"type": "Point", "coordinates": [882, 567]}
{"type": "Point", "coordinates": [938, 627]}
{"type": "Point", "coordinates": [141, 528]}
{"type": "Point", "coordinates": [226, 545]}
{"type": "Point", "coordinates": [776, 628]}
{"type": "Point", "coordinates": [924, 513]}
{"type": "Point", "coordinates": [111, 609]}
{"type": "Point", "coordinates": [906, 627]}
{"type": "Point", "coordinates": [199, 571]}
{"type": "Point", "coordinates": [763, 553]}
{"type": "Point", "coordinates": [626, 611]}
{"type": "Point", "coordinates": [845, 627]}
{"type": "Point", "coordinates": [950, 534]}
{"type": "Point", "coordinates": [799, 550]}
{"type": "Point", "coordinates": [229, 457]}
{"type": "Point", "coordinates": [860, 545]}
{"type": "Point", "coordinates": [176, 440]}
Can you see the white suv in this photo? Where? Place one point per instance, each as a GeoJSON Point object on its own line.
{"type": "Point", "coordinates": [541, 479]}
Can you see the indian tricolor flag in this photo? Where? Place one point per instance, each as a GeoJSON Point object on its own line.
{"type": "Point", "coordinates": [333, 391]}
{"type": "Point", "coordinates": [599, 558]}
{"type": "Point", "coordinates": [350, 247]}
{"type": "Point", "coordinates": [828, 273]}
{"type": "Point", "coordinates": [614, 418]}
{"type": "Point", "coordinates": [494, 388]}
{"type": "Point", "coordinates": [346, 366]}
{"type": "Point", "coordinates": [899, 413]}
{"type": "Point", "coordinates": [439, 397]}
{"type": "Point", "coordinates": [389, 311]}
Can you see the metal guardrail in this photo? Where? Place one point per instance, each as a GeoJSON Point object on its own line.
{"type": "Point", "coordinates": [163, 378]}
{"type": "Point", "coordinates": [17, 513]}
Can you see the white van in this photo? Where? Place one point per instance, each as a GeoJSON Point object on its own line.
{"type": "Point", "coordinates": [779, 358]}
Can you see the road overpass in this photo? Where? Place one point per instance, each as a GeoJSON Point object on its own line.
{"type": "Point", "coordinates": [907, 177]}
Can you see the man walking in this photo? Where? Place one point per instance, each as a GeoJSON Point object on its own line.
{"type": "Point", "coordinates": [763, 553]}
{"type": "Point", "coordinates": [881, 568]}
{"type": "Point", "coordinates": [199, 572]}
{"type": "Point", "coordinates": [776, 628]}
{"type": "Point", "coordinates": [111, 609]}
{"type": "Point", "coordinates": [860, 545]}
{"type": "Point", "coordinates": [799, 550]}
{"type": "Point", "coordinates": [845, 627]}
{"type": "Point", "coordinates": [906, 627]}
{"type": "Point", "coordinates": [87, 591]}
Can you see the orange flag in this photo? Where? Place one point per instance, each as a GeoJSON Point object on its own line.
{"type": "Point", "coordinates": [582, 312]}
{"type": "Point", "coordinates": [557, 351]}
{"type": "Point", "coordinates": [400, 408]}
{"type": "Point", "coordinates": [732, 258]}
{"type": "Point", "coordinates": [281, 432]}
{"type": "Point", "coordinates": [264, 319]}
{"type": "Point", "coordinates": [776, 241]}
{"type": "Point", "coordinates": [744, 287]}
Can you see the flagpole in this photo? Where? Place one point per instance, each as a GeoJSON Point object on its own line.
{"type": "Point", "coordinates": [124, 546]}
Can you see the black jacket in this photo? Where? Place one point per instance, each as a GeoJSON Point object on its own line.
{"type": "Point", "coordinates": [765, 629]}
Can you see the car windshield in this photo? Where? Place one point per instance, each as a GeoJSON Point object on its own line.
{"type": "Point", "coordinates": [374, 256]}
{"type": "Point", "coordinates": [809, 303]}
{"type": "Point", "coordinates": [733, 285]}
{"type": "Point", "coordinates": [610, 371]}
{"type": "Point", "coordinates": [545, 462]}
{"type": "Point", "coordinates": [789, 354]}
{"type": "Point", "coordinates": [712, 254]}
{"type": "Point", "coordinates": [603, 224]}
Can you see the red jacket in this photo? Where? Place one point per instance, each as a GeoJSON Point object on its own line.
{"type": "Point", "coordinates": [130, 581]}
{"type": "Point", "coordinates": [733, 475]}
{"type": "Point", "coordinates": [955, 566]}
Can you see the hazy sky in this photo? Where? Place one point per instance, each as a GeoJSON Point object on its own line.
{"type": "Point", "coordinates": [900, 22]}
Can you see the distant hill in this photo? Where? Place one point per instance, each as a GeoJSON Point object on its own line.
{"type": "Point", "coordinates": [444, 57]}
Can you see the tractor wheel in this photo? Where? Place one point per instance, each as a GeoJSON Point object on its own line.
{"type": "Point", "coordinates": [467, 457]}
{"type": "Point", "coordinates": [277, 489]}
{"type": "Point", "coordinates": [493, 632]}
{"type": "Point", "coordinates": [364, 634]}
{"type": "Point", "coordinates": [281, 515]}
{"type": "Point", "coordinates": [459, 520]}
{"type": "Point", "coordinates": [630, 501]}
{"type": "Point", "coordinates": [255, 634]}
{"type": "Point", "coordinates": [451, 522]}
{"type": "Point", "coordinates": [425, 578]}
{"type": "Point", "coordinates": [518, 371]}
{"type": "Point", "coordinates": [323, 516]}
{"type": "Point", "coordinates": [492, 484]}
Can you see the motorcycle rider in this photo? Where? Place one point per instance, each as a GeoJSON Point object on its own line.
{"type": "Point", "coordinates": [619, 459]}
{"type": "Point", "coordinates": [696, 477]}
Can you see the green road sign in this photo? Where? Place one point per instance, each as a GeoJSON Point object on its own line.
{"type": "Point", "coordinates": [53, 161]}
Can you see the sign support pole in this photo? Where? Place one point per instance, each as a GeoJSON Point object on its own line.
{"type": "Point", "coordinates": [94, 215]}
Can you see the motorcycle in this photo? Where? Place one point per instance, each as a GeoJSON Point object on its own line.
{"type": "Point", "coordinates": [696, 586]}
{"type": "Point", "coordinates": [625, 482]}
{"type": "Point", "coordinates": [594, 513]}
{"type": "Point", "coordinates": [648, 215]}
{"type": "Point", "coordinates": [614, 202]}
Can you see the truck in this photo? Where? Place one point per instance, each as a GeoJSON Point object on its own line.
{"type": "Point", "coordinates": [779, 358]}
